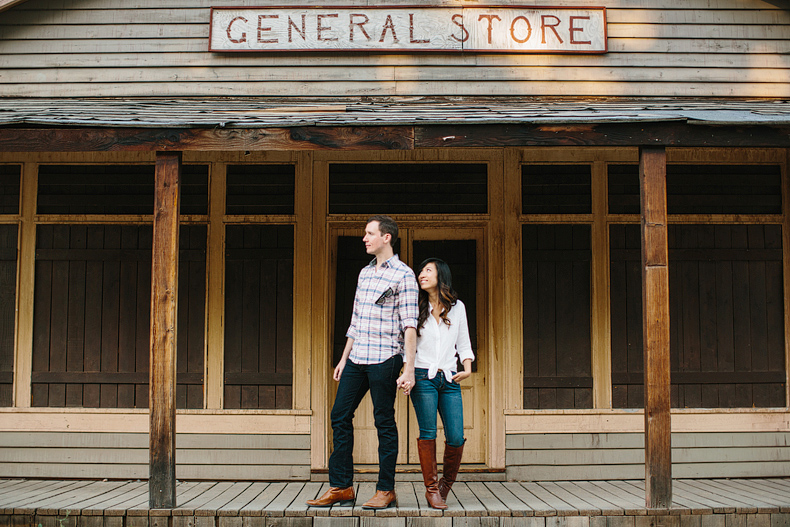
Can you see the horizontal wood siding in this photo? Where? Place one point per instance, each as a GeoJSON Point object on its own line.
{"type": "Point", "coordinates": [125, 455]}
{"type": "Point", "coordinates": [540, 457]}
{"type": "Point", "coordinates": [106, 48]}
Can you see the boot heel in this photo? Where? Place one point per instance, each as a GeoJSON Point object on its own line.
{"type": "Point", "coordinates": [345, 503]}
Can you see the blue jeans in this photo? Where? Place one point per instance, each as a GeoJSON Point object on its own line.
{"type": "Point", "coordinates": [355, 382]}
{"type": "Point", "coordinates": [430, 395]}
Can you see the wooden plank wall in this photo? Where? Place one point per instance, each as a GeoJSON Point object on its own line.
{"type": "Point", "coordinates": [92, 316]}
{"type": "Point", "coordinates": [611, 456]}
{"type": "Point", "coordinates": [9, 235]}
{"type": "Point", "coordinates": [159, 48]}
{"type": "Point", "coordinates": [125, 455]}
{"type": "Point", "coordinates": [556, 267]}
{"type": "Point", "coordinates": [258, 310]}
{"type": "Point", "coordinates": [8, 244]}
{"type": "Point", "coordinates": [727, 327]}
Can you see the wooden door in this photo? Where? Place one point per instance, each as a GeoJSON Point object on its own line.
{"type": "Point", "coordinates": [350, 257]}
{"type": "Point", "coordinates": [463, 250]}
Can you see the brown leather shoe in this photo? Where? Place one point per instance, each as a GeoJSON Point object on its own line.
{"type": "Point", "coordinates": [334, 495]}
{"type": "Point", "coordinates": [381, 500]}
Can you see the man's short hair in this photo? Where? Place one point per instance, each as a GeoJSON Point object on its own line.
{"type": "Point", "coordinates": [386, 226]}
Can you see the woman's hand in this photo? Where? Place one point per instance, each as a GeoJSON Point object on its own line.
{"type": "Point", "coordinates": [406, 381]}
{"type": "Point", "coordinates": [461, 375]}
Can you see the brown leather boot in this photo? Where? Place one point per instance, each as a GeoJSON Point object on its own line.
{"type": "Point", "coordinates": [427, 450]}
{"type": "Point", "coordinates": [452, 462]}
{"type": "Point", "coordinates": [334, 495]}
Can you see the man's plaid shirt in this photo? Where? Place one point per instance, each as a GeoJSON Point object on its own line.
{"type": "Point", "coordinates": [378, 328]}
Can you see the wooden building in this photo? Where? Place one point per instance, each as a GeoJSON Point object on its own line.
{"type": "Point", "coordinates": [521, 169]}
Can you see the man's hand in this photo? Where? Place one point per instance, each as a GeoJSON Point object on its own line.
{"type": "Point", "coordinates": [339, 370]}
{"type": "Point", "coordinates": [406, 381]}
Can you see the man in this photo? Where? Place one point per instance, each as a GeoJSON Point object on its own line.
{"type": "Point", "coordinates": [383, 327]}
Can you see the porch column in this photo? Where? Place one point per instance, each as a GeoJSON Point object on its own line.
{"type": "Point", "coordinates": [655, 324]}
{"type": "Point", "coordinates": [164, 281]}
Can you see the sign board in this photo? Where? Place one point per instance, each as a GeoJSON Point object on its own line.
{"type": "Point", "coordinates": [488, 29]}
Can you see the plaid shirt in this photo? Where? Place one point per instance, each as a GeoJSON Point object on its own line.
{"type": "Point", "coordinates": [385, 305]}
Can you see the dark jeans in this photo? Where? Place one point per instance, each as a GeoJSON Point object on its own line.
{"type": "Point", "coordinates": [355, 382]}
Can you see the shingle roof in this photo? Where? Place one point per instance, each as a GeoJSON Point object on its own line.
{"type": "Point", "coordinates": [287, 112]}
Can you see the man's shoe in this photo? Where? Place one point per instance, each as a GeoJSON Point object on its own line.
{"type": "Point", "coordinates": [334, 495]}
{"type": "Point", "coordinates": [381, 500]}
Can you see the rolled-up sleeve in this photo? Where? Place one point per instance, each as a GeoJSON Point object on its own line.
{"type": "Point", "coordinates": [352, 328]}
{"type": "Point", "coordinates": [463, 345]}
{"type": "Point", "coordinates": [407, 307]}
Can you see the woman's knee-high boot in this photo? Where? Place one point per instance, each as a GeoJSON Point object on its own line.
{"type": "Point", "coordinates": [452, 462]}
{"type": "Point", "coordinates": [427, 451]}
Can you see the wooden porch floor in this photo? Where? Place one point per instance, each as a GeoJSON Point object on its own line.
{"type": "Point", "coordinates": [696, 503]}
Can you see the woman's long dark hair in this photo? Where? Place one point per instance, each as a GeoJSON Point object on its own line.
{"type": "Point", "coordinates": [447, 296]}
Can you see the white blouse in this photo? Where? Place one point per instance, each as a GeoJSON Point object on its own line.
{"type": "Point", "coordinates": [438, 343]}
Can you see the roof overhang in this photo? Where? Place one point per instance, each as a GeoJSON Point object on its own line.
{"type": "Point", "coordinates": [8, 4]}
{"type": "Point", "coordinates": [386, 123]}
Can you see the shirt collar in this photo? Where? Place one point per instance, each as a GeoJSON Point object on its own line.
{"type": "Point", "coordinates": [390, 262]}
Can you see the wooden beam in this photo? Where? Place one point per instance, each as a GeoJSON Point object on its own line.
{"type": "Point", "coordinates": [601, 327]}
{"type": "Point", "coordinates": [655, 324]}
{"type": "Point", "coordinates": [206, 139]}
{"type": "Point", "coordinates": [674, 133]}
{"type": "Point", "coordinates": [25, 287]}
{"type": "Point", "coordinates": [215, 303]}
{"type": "Point", "coordinates": [164, 295]}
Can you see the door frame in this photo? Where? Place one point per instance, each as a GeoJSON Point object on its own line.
{"type": "Point", "coordinates": [500, 375]}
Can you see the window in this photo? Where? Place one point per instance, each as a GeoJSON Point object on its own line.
{"type": "Point", "coordinates": [399, 188]}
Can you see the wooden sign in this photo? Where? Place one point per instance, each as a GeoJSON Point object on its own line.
{"type": "Point", "coordinates": [490, 29]}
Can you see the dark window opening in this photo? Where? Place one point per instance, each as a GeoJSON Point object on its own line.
{"type": "Point", "coordinates": [260, 189]}
{"type": "Point", "coordinates": [556, 189]}
{"type": "Point", "coordinates": [408, 188]}
{"type": "Point", "coordinates": [114, 189]}
{"type": "Point", "coordinates": [9, 188]}
{"type": "Point", "coordinates": [703, 189]}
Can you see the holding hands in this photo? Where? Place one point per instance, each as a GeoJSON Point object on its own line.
{"type": "Point", "coordinates": [406, 381]}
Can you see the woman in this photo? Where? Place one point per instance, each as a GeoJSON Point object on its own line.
{"type": "Point", "coordinates": [442, 334]}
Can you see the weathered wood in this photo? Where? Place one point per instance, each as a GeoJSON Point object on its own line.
{"type": "Point", "coordinates": [655, 316]}
{"type": "Point", "coordinates": [25, 339]}
{"type": "Point", "coordinates": [164, 296]}
{"type": "Point", "coordinates": [131, 139]}
{"type": "Point", "coordinates": [621, 134]}
{"type": "Point", "coordinates": [394, 137]}
{"type": "Point", "coordinates": [203, 501]}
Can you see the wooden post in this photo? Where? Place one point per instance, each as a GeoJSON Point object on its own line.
{"type": "Point", "coordinates": [655, 324]}
{"type": "Point", "coordinates": [164, 279]}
